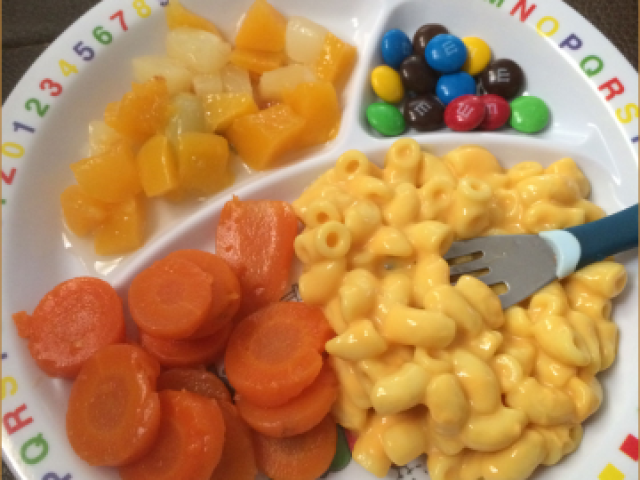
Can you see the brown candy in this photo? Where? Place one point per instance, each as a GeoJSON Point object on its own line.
{"type": "Point", "coordinates": [503, 77]}
{"type": "Point", "coordinates": [424, 35]}
{"type": "Point", "coordinates": [424, 113]}
{"type": "Point", "coordinates": [417, 76]}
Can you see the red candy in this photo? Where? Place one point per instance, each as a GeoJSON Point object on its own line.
{"type": "Point", "coordinates": [465, 113]}
{"type": "Point", "coordinates": [498, 112]}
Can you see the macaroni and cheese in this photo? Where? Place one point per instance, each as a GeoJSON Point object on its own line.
{"type": "Point", "coordinates": [430, 367]}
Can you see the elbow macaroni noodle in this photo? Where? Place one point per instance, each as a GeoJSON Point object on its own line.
{"type": "Point", "coordinates": [427, 367]}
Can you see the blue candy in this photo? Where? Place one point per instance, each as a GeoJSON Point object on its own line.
{"type": "Point", "coordinates": [445, 53]}
{"type": "Point", "coordinates": [454, 85]}
{"type": "Point", "coordinates": [395, 47]}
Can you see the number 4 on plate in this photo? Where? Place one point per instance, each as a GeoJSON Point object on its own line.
{"type": "Point", "coordinates": [67, 68]}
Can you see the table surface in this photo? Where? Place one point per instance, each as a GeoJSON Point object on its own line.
{"type": "Point", "coordinates": [29, 26]}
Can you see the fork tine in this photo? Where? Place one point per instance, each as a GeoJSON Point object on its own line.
{"type": "Point", "coordinates": [467, 267]}
{"type": "Point", "coordinates": [465, 247]}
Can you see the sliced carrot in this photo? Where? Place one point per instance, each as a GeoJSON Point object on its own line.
{"type": "Point", "coordinates": [274, 354]}
{"type": "Point", "coordinates": [189, 352]}
{"type": "Point", "coordinates": [238, 461]}
{"type": "Point", "coordinates": [71, 323]}
{"type": "Point", "coordinates": [302, 457]}
{"type": "Point", "coordinates": [189, 444]}
{"type": "Point", "coordinates": [201, 382]}
{"type": "Point", "coordinates": [225, 288]}
{"type": "Point", "coordinates": [256, 237]}
{"type": "Point", "coordinates": [299, 414]}
{"type": "Point", "coordinates": [113, 416]}
{"type": "Point", "coordinates": [171, 299]}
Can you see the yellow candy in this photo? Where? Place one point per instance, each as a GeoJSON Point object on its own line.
{"type": "Point", "coordinates": [478, 55]}
{"type": "Point", "coordinates": [387, 84]}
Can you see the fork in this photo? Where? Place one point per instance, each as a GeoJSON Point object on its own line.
{"type": "Point", "coordinates": [526, 263]}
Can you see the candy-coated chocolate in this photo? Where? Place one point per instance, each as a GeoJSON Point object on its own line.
{"type": "Point", "coordinates": [454, 85]}
{"type": "Point", "coordinates": [445, 53]}
{"type": "Point", "coordinates": [503, 77]}
{"type": "Point", "coordinates": [417, 76]}
{"type": "Point", "coordinates": [478, 55]}
{"type": "Point", "coordinates": [387, 84]}
{"type": "Point", "coordinates": [424, 113]}
{"type": "Point", "coordinates": [424, 35]}
{"type": "Point", "coordinates": [395, 47]}
{"type": "Point", "coordinates": [529, 114]}
{"type": "Point", "coordinates": [498, 112]}
{"type": "Point", "coordinates": [464, 113]}
{"type": "Point", "coordinates": [385, 119]}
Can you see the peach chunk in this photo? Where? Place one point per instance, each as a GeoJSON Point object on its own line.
{"type": "Point", "coordinates": [142, 112]}
{"type": "Point", "coordinates": [317, 103]}
{"type": "Point", "coordinates": [260, 138]}
{"type": "Point", "coordinates": [110, 176]}
{"type": "Point", "coordinates": [123, 231]}
{"type": "Point", "coordinates": [203, 160]}
{"type": "Point", "coordinates": [82, 213]}
{"type": "Point", "coordinates": [263, 28]}
{"type": "Point", "coordinates": [255, 61]}
{"type": "Point", "coordinates": [157, 166]}
{"type": "Point", "coordinates": [222, 109]}
{"type": "Point", "coordinates": [178, 16]}
{"type": "Point", "coordinates": [336, 60]}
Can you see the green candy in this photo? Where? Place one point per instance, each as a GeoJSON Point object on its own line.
{"type": "Point", "coordinates": [343, 454]}
{"type": "Point", "coordinates": [386, 119]}
{"type": "Point", "coordinates": [529, 114]}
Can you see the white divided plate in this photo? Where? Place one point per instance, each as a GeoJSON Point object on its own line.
{"type": "Point", "coordinates": [591, 89]}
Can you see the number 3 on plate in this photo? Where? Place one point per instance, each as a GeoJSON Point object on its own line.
{"type": "Point", "coordinates": [142, 8]}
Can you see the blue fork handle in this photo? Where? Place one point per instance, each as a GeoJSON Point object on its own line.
{"type": "Point", "coordinates": [607, 236]}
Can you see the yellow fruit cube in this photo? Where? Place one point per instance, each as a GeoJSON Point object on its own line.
{"type": "Point", "coordinates": [110, 176]}
{"type": "Point", "coordinates": [178, 16]}
{"type": "Point", "coordinates": [203, 159]}
{"type": "Point", "coordinates": [82, 213]}
{"type": "Point", "coordinates": [261, 138]}
{"type": "Point", "coordinates": [263, 28]}
{"type": "Point", "coordinates": [142, 112]}
{"type": "Point", "coordinates": [157, 166]}
{"type": "Point", "coordinates": [336, 60]}
{"type": "Point", "coordinates": [255, 61]}
{"type": "Point", "coordinates": [123, 230]}
{"type": "Point", "coordinates": [222, 109]}
{"type": "Point", "coordinates": [317, 103]}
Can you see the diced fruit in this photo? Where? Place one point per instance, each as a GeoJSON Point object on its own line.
{"type": "Point", "coordinates": [261, 138]}
{"type": "Point", "coordinates": [102, 137]}
{"type": "Point", "coordinates": [201, 51]}
{"type": "Point", "coordinates": [256, 61]}
{"type": "Point", "coordinates": [263, 28]}
{"type": "Point", "coordinates": [142, 112]}
{"type": "Point", "coordinates": [336, 60]}
{"type": "Point", "coordinates": [187, 116]}
{"type": "Point", "coordinates": [273, 84]}
{"type": "Point", "coordinates": [223, 108]}
{"type": "Point", "coordinates": [178, 16]}
{"type": "Point", "coordinates": [235, 80]}
{"type": "Point", "coordinates": [202, 162]}
{"type": "Point", "coordinates": [157, 166]}
{"type": "Point", "coordinates": [317, 103]}
{"type": "Point", "coordinates": [110, 176]}
{"type": "Point", "coordinates": [82, 213]}
{"type": "Point", "coordinates": [304, 40]}
{"type": "Point", "coordinates": [176, 74]}
{"type": "Point", "coordinates": [207, 84]}
{"type": "Point", "coordinates": [123, 230]}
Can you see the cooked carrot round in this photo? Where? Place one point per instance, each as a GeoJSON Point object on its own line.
{"type": "Point", "coordinates": [302, 457]}
{"type": "Point", "coordinates": [189, 443]}
{"type": "Point", "coordinates": [171, 299]}
{"type": "Point", "coordinates": [71, 323]}
{"type": "Point", "coordinates": [256, 237]}
{"type": "Point", "coordinates": [274, 353]}
{"type": "Point", "coordinates": [238, 461]}
{"type": "Point", "coordinates": [113, 416]}
{"type": "Point", "coordinates": [225, 288]}
{"type": "Point", "coordinates": [188, 352]}
{"type": "Point", "coordinates": [299, 414]}
{"type": "Point", "coordinates": [198, 381]}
